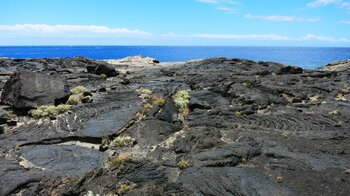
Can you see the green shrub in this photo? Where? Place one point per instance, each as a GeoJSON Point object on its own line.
{"type": "Point", "coordinates": [118, 160]}
{"type": "Point", "coordinates": [158, 100]}
{"type": "Point", "coordinates": [182, 99]}
{"type": "Point", "coordinates": [122, 141]}
{"type": "Point", "coordinates": [183, 164]}
{"type": "Point", "coordinates": [50, 110]}
{"type": "Point", "coordinates": [147, 107]}
{"type": "Point", "coordinates": [90, 193]}
{"type": "Point", "coordinates": [75, 99]}
{"type": "Point", "coordinates": [125, 187]}
{"type": "Point", "coordinates": [78, 89]}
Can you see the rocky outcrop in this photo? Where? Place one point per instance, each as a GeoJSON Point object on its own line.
{"type": "Point", "coordinates": [239, 127]}
{"type": "Point", "coordinates": [337, 66]}
{"type": "Point", "coordinates": [29, 90]}
{"type": "Point", "coordinates": [45, 64]}
{"type": "Point", "coordinates": [138, 59]}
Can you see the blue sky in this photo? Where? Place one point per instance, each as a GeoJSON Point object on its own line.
{"type": "Point", "coordinates": [175, 22]}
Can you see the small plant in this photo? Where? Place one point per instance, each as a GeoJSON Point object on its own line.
{"type": "Point", "coordinates": [285, 135]}
{"type": "Point", "coordinates": [90, 193]}
{"type": "Point", "coordinates": [147, 106]}
{"type": "Point", "coordinates": [144, 91]}
{"type": "Point", "coordinates": [183, 164]}
{"type": "Point", "coordinates": [50, 110]}
{"type": "Point", "coordinates": [279, 179]}
{"type": "Point", "coordinates": [122, 141]}
{"type": "Point", "coordinates": [118, 160]}
{"type": "Point", "coordinates": [124, 187]}
{"type": "Point", "coordinates": [340, 97]}
{"type": "Point", "coordinates": [78, 90]}
{"type": "Point", "coordinates": [184, 113]}
{"type": "Point", "coordinates": [158, 100]}
{"type": "Point", "coordinates": [185, 128]}
{"type": "Point", "coordinates": [75, 99]}
{"type": "Point", "coordinates": [182, 99]}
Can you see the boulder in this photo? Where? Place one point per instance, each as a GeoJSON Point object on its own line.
{"type": "Point", "coordinates": [26, 90]}
{"type": "Point", "coordinates": [106, 69]}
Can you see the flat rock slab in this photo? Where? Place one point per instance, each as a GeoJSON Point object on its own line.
{"type": "Point", "coordinates": [110, 122]}
{"type": "Point", "coordinates": [63, 160]}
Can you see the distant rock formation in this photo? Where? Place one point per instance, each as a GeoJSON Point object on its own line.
{"type": "Point", "coordinates": [337, 66]}
{"type": "Point", "coordinates": [134, 60]}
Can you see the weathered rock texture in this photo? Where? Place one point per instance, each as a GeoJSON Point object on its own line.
{"type": "Point", "coordinates": [251, 128]}
{"type": "Point", "coordinates": [29, 90]}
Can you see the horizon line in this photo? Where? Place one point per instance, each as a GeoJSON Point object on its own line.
{"type": "Point", "coordinates": [281, 46]}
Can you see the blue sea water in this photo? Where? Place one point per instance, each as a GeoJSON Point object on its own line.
{"type": "Point", "coordinates": [306, 57]}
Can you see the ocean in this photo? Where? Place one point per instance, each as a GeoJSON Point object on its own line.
{"type": "Point", "coordinates": [306, 57]}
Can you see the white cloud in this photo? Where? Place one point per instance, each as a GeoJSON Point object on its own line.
{"type": "Point", "coordinates": [272, 37]}
{"type": "Point", "coordinates": [324, 38]}
{"type": "Point", "coordinates": [82, 30]}
{"type": "Point", "coordinates": [320, 3]}
{"type": "Point", "coordinates": [227, 10]}
{"type": "Point", "coordinates": [208, 1]}
{"type": "Point", "coordinates": [222, 5]}
{"type": "Point", "coordinates": [218, 1]}
{"type": "Point", "coordinates": [273, 18]}
{"type": "Point", "coordinates": [65, 34]}
{"type": "Point", "coordinates": [243, 37]}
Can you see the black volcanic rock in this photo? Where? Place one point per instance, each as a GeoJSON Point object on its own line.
{"type": "Point", "coordinates": [3, 117]}
{"type": "Point", "coordinates": [290, 70]}
{"type": "Point", "coordinates": [106, 69]}
{"type": "Point", "coordinates": [29, 90]}
{"type": "Point", "coordinates": [46, 64]}
{"type": "Point", "coordinates": [251, 128]}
